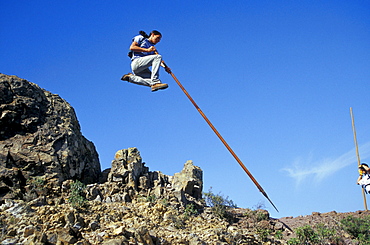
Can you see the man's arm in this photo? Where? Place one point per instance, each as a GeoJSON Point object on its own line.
{"type": "Point", "coordinates": [136, 48]}
{"type": "Point", "coordinates": [358, 180]}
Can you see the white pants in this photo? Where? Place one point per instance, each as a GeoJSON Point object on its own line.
{"type": "Point", "coordinates": [142, 74]}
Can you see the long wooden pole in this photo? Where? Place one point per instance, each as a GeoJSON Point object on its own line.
{"type": "Point", "coordinates": [357, 152]}
{"type": "Point", "coordinates": [221, 138]}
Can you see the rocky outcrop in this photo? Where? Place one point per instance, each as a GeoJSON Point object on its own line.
{"type": "Point", "coordinates": [132, 205]}
{"type": "Point", "coordinates": [188, 184]}
{"type": "Point", "coordinates": [40, 136]}
{"type": "Point", "coordinates": [129, 179]}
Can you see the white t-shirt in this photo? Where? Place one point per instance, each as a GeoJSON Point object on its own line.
{"type": "Point", "coordinates": [365, 182]}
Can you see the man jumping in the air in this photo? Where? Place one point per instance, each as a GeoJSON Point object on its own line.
{"type": "Point", "coordinates": [143, 55]}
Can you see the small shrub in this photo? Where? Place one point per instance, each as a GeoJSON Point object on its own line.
{"type": "Point", "coordinates": [307, 235]}
{"type": "Point", "coordinates": [165, 202]}
{"type": "Point", "coordinates": [319, 234]}
{"type": "Point", "coordinates": [190, 210]}
{"type": "Point", "coordinates": [36, 182]}
{"type": "Point", "coordinates": [279, 235]}
{"type": "Point", "coordinates": [262, 215]}
{"type": "Point", "coordinates": [327, 235]}
{"type": "Point", "coordinates": [178, 221]}
{"type": "Point", "coordinates": [36, 187]}
{"type": "Point", "coordinates": [263, 233]}
{"type": "Point", "coordinates": [219, 204]}
{"type": "Point", "coordinates": [359, 228]}
{"type": "Point", "coordinates": [257, 215]}
{"type": "Point", "coordinates": [76, 197]}
{"type": "Point", "coordinates": [151, 198]}
{"type": "Point", "coordinates": [294, 241]}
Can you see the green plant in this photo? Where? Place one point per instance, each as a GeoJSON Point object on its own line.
{"type": "Point", "coordinates": [294, 241]}
{"type": "Point", "coordinates": [326, 235]}
{"type": "Point", "coordinates": [190, 210]}
{"type": "Point", "coordinates": [36, 182]}
{"type": "Point", "coordinates": [151, 198]}
{"type": "Point", "coordinates": [319, 234]}
{"type": "Point", "coordinates": [219, 204]}
{"type": "Point", "coordinates": [76, 197]}
{"type": "Point", "coordinates": [359, 228]}
{"type": "Point", "coordinates": [263, 233]}
{"type": "Point", "coordinates": [307, 234]}
{"type": "Point", "coordinates": [165, 202]}
{"type": "Point", "coordinates": [257, 215]}
{"type": "Point", "coordinates": [262, 215]}
{"type": "Point", "coordinates": [36, 185]}
{"type": "Point", "coordinates": [279, 235]}
{"type": "Point", "coordinates": [178, 221]}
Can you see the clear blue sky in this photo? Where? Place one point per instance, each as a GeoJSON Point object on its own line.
{"type": "Point", "coordinates": [276, 78]}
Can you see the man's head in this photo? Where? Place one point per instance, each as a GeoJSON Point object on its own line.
{"type": "Point", "coordinates": [155, 37]}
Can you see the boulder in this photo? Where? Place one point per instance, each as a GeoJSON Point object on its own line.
{"type": "Point", "coordinates": [40, 136]}
{"type": "Point", "coordinates": [188, 183]}
{"type": "Point", "coordinates": [127, 167]}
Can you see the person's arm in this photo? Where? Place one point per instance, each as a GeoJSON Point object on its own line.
{"type": "Point", "coordinates": [136, 48]}
{"type": "Point", "coordinates": [358, 180]}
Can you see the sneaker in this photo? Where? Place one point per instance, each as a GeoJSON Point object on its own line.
{"type": "Point", "coordinates": [158, 86]}
{"type": "Point", "coordinates": [126, 77]}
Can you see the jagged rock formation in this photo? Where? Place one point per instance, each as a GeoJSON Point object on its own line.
{"type": "Point", "coordinates": [40, 136]}
{"type": "Point", "coordinates": [129, 179]}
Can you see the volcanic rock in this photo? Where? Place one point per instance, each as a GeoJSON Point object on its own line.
{"type": "Point", "coordinates": [40, 137]}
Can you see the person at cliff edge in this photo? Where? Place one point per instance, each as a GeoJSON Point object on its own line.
{"type": "Point", "coordinates": [143, 55]}
{"type": "Point", "coordinates": [364, 178]}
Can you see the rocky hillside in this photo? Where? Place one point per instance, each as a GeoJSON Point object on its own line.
{"type": "Point", "coordinates": [52, 190]}
{"type": "Point", "coordinates": [40, 135]}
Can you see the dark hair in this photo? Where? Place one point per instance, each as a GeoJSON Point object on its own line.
{"type": "Point", "coordinates": [143, 33]}
{"type": "Point", "coordinates": [364, 164]}
{"type": "Point", "coordinates": [155, 32]}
